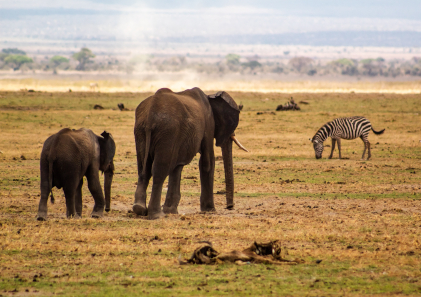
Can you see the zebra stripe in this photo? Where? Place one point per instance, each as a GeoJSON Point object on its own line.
{"type": "Point", "coordinates": [343, 128]}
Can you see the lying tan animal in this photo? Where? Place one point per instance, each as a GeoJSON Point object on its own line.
{"type": "Point", "coordinates": [266, 253]}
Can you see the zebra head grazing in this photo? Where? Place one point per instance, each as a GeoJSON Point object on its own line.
{"type": "Point", "coordinates": [318, 147]}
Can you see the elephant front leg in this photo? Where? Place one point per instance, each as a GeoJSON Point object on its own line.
{"type": "Point", "coordinates": [94, 187]}
{"type": "Point", "coordinates": [173, 195]}
{"type": "Point", "coordinates": [207, 169]}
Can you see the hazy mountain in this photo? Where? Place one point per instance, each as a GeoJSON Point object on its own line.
{"type": "Point", "coordinates": [329, 38]}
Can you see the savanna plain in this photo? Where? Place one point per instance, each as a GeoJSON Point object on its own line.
{"type": "Point", "coordinates": [355, 223]}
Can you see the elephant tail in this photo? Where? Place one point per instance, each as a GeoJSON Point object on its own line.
{"type": "Point", "coordinates": [50, 179]}
{"type": "Point", "coordinates": [147, 147]}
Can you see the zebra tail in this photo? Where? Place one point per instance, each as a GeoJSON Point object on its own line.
{"type": "Point", "coordinates": [377, 132]}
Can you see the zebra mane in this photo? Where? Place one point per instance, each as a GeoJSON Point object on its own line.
{"type": "Point", "coordinates": [323, 133]}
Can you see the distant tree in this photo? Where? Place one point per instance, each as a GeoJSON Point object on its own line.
{"type": "Point", "coordinates": [57, 60]}
{"type": "Point", "coordinates": [278, 69]}
{"type": "Point", "coordinates": [299, 63]}
{"type": "Point", "coordinates": [13, 51]}
{"type": "Point", "coordinates": [344, 62]}
{"type": "Point", "coordinates": [83, 57]}
{"type": "Point", "coordinates": [312, 72]}
{"type": "Point", "coordinates": [233, 59]}
{"type": "Point", "coordinates": [346, 66]}
{"type": "Point", "coordinates": [252, 64]}
{"type": "Point", "coordinates": [2, 56]}
{"type": "Point", "coordinates": [372, 67]}
{"type": "Point", "coordinates": [367, 61]}
{"type": "Point", "coordinates": [18, 60]}
{"type": "Point", "coordinates": [416, 59]}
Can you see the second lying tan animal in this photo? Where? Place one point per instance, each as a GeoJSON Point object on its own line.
{"type": "Point", "coordinates": [266, 253]}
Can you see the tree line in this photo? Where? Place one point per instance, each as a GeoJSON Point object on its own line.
{"type": "Point", "coordinates": [16, 58]}
{"type": "Point", "coordinates": [83, 60]}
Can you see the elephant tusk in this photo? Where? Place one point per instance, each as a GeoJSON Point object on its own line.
{"type": "Point", "coordinates": [238, 143]}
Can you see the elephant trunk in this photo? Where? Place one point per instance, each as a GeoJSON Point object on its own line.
{"type": "Point", "coordinates": [108, 179]}
{"type": "Point", "coordinates": [229, 172]}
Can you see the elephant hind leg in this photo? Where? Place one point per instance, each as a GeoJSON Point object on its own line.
{"type": "Point", "coordinates": [154, 207]}
{"type": "Point", "coordinates": [43, 203]}
{"type": "Point", "coordinates": [139, 205]}
{"type": "Point", "coordinates": [173, 195]}
{"type": "Point", "coordinates": [70, 193]}
{"type": "Point", "coordinates": [78, 199]}
{"type": "Point", "coordinates": [160, 171]}
{"type": "Point", "coordinates": [45, 191]}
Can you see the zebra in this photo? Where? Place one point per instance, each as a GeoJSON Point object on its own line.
{"type": "Point", "coordinates": [345, 128]}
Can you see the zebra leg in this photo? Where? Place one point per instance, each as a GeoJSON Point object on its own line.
{"type": "Point", "coordinates": [369, 150]}
{"type": "Point", "coordinates": [333, 148]}
{"type": "Point", "coordinates": [339, 147]}
{"type": "Point", "coordinates": [365, 146]}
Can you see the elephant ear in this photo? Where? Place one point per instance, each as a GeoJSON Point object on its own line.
{"type": "Point", "coordinates": [226, 115]}
{"type": "Point", "coordinates": [107, 147]}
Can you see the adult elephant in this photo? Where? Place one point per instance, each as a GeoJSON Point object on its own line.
{"type": "Point", "coordinates": [170, 129]}
{"type": "Point", "coordinates": [68, 156]}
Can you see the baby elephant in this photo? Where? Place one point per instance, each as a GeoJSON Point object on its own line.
{"type": "Point", "coordinates": [68, 156]}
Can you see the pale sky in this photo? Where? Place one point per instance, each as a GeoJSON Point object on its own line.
{"type": "Point", "coordinates": [402, 9]}
{"type": "Point", "coordinates": [160, 19]}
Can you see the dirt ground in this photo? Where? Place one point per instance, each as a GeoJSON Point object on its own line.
{"type": "Point", "coordinates": [355, 223]}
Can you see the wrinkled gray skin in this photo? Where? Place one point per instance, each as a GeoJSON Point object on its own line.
{"type": "Point", "coordinates": [170, 129]}
{"type": "Point", "coordinates": [66, 158]}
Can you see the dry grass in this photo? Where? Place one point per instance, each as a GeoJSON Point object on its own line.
{"type": "Point", "coordinates": [361, 218]}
